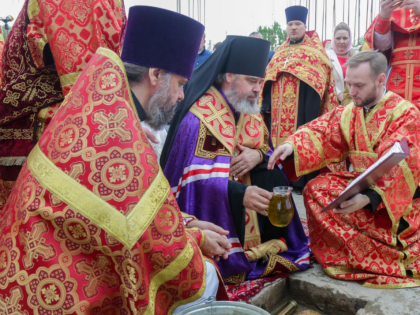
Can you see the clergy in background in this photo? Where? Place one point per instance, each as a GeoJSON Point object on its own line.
{"type": "Point", "coordinates": [215, 159]}
{"type": "Point", "coordinates": [299, 82]}
{"type": "Point", "coordinates": [395, 32]}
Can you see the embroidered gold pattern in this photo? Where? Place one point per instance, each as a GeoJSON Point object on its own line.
{"type": "Point", "coordinates": [126, 229]}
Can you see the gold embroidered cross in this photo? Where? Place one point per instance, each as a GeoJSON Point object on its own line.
{"type": "Point", "coordinates": [216, 115]}
{"type": "Point", "coordinates": [397, 79]}
{"type": "Point", "coordinates": [111, 125]}
{"type": "Point", "coordinates": [288, 124]}
{"type": "Point", "coordinates": [409, 54]}
{"type": "Point", "coordinates": [255, 118]}
{"type": "Point", "coordinates": [11, 305]}
{"type": "Point", "coordinates": [35, 244]}
{"type": "Point", "coordinates": [97, 273]}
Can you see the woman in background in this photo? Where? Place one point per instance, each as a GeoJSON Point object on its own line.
{"type": "Point", "coordinates": [339, 52]}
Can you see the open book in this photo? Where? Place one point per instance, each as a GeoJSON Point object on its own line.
{"type": "Point", "coordinates": [395, 155]}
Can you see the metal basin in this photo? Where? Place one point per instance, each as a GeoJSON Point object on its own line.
{"type": "Point", "coordinates": [212, 307]}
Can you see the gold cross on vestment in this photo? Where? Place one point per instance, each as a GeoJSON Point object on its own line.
{"type": "Point", "coordinates": [255, 118]}
{"type": "Point", "coordinates": [409, 54]}
{"type": "Point", "coordinates": [397, 79]}
{"type": "Point", "coordinates": [288, 124]}
{"type": "Point", "coordinates": [216, 115]}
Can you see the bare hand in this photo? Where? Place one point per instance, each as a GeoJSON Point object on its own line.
{"type": "Point", "coordinates": [355, 203]}
{"type": "Point", "coordinates": [257, 199]}
{"type": "Point", "coordinates": [389, 6]}
{"type": "Point", "coordinates": [150, 135]}
{"type": "Point", "coordinates": [205, 225]}
{"type": "Point", "coordinates": [215, 245]}
{"type": "Point", "coordinates": [281, 153]}
{"type": "Point", "coordinates": [245, 161]}
{"type": "Point", "coordinates": [413, 5]}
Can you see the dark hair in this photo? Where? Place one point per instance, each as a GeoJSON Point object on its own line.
{"type": "Point", "coordinates": [135, 73]}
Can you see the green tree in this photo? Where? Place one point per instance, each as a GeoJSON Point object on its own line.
{"type": "Point", "coordinates": [274, 34]}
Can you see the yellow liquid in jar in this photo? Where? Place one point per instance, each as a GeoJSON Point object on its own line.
{"type": "Point", "coordinates": [280, 210]}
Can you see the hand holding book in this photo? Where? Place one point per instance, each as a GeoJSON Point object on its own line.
{"type": "Point", "coordinates": [396, 154]}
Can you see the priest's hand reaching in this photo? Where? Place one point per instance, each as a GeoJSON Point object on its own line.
{"type": "Point", "coordinates": [388, 6]}
{"type": "Point", "coordinates": [216, 245]}
{"type": "Point", "coordinates": [413, 5]}
{"type": "Point", "coordinates": [257, 199]}
{"type": "Point", "coordinates": [245, 161]}
{"type": "Point", "coordinates": [205, 225]}
{"type": "Point", "coordinates": [280, 153]}
{"type": "Point", "coordinates": [355, 203]}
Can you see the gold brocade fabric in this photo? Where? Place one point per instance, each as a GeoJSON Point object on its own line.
{"type": "Point", "coordinates": [50, 43]}
{"type": "Point", "coordinates": [218, 120]}
{"type": "Point", "coordinates": [91, 226]}
{"type": "Point", "coordinates": [307, 62]}
{"type": "Point", "coordinates": [364, 246]}
{"type": "Point", "coordinates": [217, 117]}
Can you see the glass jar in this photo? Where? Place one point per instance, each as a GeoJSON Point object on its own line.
{"type": "Point", "coordinates": [281, 210]}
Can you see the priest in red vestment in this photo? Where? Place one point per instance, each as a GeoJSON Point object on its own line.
{"type": "Point", "coordinates": [395, 31]}
{"type": "Point", "coordinates": [373, 237]}
{"type": "Point", "coordinates": [299, 82]}
{"type": "Point", "coordinates": [50, 43]}
{"type": "Point", "coordinates": [91, 225]}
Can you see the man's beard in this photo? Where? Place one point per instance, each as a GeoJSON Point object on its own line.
{"type": "Point", "coordinates": [158, 112]}
{"type": "Point", "coordinates": [369, 99]}
{"type": "Point", "coordinates": [242, 104]}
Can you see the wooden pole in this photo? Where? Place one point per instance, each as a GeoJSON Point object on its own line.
{"type": "Point", "coordinates": [334, 20]}
{"type": "Point", "coordinates": [309, 15]}
{"type": "Point", "coordinates": [355, 22]}
{"type": "Point", "coordinates": [316, 11]}
{"type": "Point", "coordinates": [358, 28]}
{"type": "Point", "coordinates": [367, 14]}
{"type": "Point", "coordinates": [348, 13]}
{"type": "Point", "coordinates": [371, 11]}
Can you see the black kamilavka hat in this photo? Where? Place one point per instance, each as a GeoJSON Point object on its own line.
{"type": "Point", "coordinates": [163, 39]}
{"type": "Point", "coordinates": [236, 54]}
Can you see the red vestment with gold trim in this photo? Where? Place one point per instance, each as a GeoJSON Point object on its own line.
{"type": "Point", "coordinates": [404, 77]}
{"type": "Point", "coordinates": [32, 90]}
{"type": "Point", "coordinates": [364, 246]}
{"type": "Point", "coordinates": [91, 226]}
{"type": "Point", "coordinates": [291, 64]}
{"type": "Point", "coordinates": [1, 53]}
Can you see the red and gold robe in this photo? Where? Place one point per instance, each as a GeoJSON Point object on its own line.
{"type": "Point", "coordinates": [404, 77]}
{"type": "Point", "coordinates": [32, 90]}
{"type": "Point", "coordinates": [291, 64]}
{"type": "Point", "coordinates": [1, 52]}
{"type": "Point", "coordinates": [91, 226]}
{"type": "Point", "coordinates": [364, 246]}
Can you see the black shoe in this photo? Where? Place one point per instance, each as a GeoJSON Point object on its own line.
{"type": "Point", "coordinates": [298, 191]}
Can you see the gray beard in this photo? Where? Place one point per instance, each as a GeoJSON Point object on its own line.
{"type": "Point", "coordinates": [241, 104]}
{"type": "Point", "coordinates": [158, 112]}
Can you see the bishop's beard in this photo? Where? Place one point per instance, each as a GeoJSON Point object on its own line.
{"type": "Point", "coordinates": [242, 104]}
